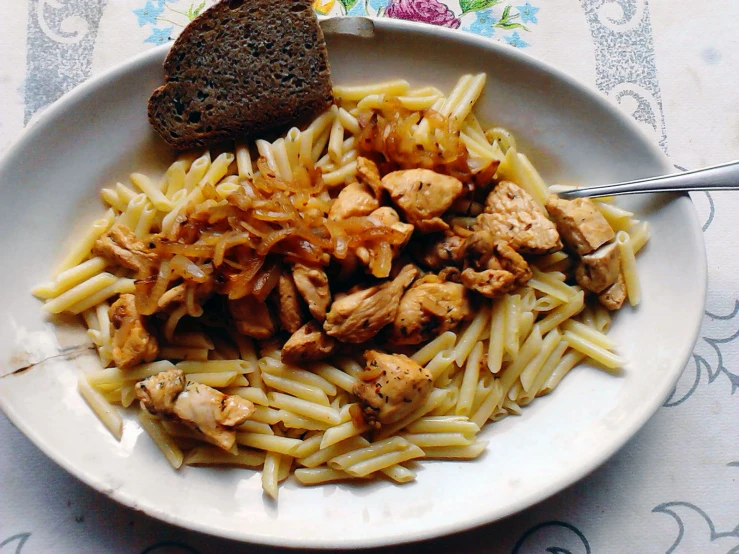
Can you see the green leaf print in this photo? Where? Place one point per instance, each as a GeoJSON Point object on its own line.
{"type": "Point", "coordinates": [193, 12]}
{"type": "Point", "coordinates": [348, 4]}
{"type": "Point", "coordinates": [475, 5]}
{"type": "Point", "coordinates": [506, 20]}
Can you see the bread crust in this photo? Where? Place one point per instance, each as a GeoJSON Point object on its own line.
{"type": "Point", "coordinates": [240, 69]}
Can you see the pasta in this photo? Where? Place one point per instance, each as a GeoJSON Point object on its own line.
{"type": "Point", "coordinates": [219, 224]}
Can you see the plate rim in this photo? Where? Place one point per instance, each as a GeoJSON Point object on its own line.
{"type": "Point", "coordinates": [26, 137]}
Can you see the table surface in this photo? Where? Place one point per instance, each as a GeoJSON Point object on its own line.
{"type": "Point", "coordinates": [670, 64]}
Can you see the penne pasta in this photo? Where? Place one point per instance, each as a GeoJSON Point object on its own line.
{"type": "Point", "coordinates": [270, 474]}
{"type": "Point", "coordinates": [469, 382]}
{"type": "Point", "coordinates": [562, 313]}
{"type": "Point", "coordinates": [297, 389]}
{"type": "Point", "coordinates": [545, 372]}
{"type": "Point", "coordinates": [106, 413]}
{"type": "Point", "coordinates": [83, 246]}
{"type": "Point", "coordinates": [162, 439]}
{"type": "Point", "coordinates": [305, 408]}
{"type": "Point", "coordinates": [341, 432]}
{"type": "Point", "coordinates": [323, 455]}
{"type": "Point", "coordinates": [565, 364]}
{"type": "Point", "coordinates": [220, 241]}
{"type": "Point", "coordinates": [384, 461]}
{"type": "Point", "coordinates": [594, 351]}
{"type": "Point", "coordinates": [628, 267]}
{"type": "Point", "coordinates": [532, 369]}
{"type": "Point", "coordinates": [70, 278]}
{"type": "Point", "coordinates": [511, 334]}
{"type": "Point", "coordinates": [320, 475]}
{"type": "Point", "coordinates": [152, 192]}
{"type": "Point", "coordinates": [270, 443]}
{"type": "Point", "coordinates": [470, 335]}
{"type": "Point", "coordinates": [212, 455]}
{"type": "Point", "coordinates": [397, 87]}
{"type": "Point", "coordinates": [460, 452]}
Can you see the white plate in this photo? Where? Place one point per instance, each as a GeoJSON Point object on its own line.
{"type": "Point", "coordinates": [99, 133]}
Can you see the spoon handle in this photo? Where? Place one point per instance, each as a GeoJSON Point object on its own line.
{"type": "Point", "coordinates": [718, 177]}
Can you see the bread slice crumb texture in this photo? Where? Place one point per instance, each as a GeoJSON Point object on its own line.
{"type": "Point", "coordinates": [240, 69]}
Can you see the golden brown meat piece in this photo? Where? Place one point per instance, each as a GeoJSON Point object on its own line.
{"type": "Point", "coordinates": [513, 216]}
{"type": "Point", "coordinates": [307, 344]}
{"type": "Point", "coordinates": [479, 248]}
{"type": "Point", "coordinates": [614, 296]}
{"type": "Point", "coordinates": [600, 269]}
{"type": "Point", "coordinates": [289, 308]}
{"type": "Point", "coordinates": [437, 252]}
{"type": "Point", "coordinates": [354, 200]}
{"type": "Point", "coordinates": [430, 307]}
{"type": "Point", "coordinates": [368, 173]}
{"type": "Point", "coordinates": [200, 407]}
{"type": "Point", "coordinates": [252, 317]}
{"type": "Point", "coordinates": [423, 196]}
{"type": "Point", "coordinates": [385, 217]}
{"type": "Point", "coordinates": [359, 316]}
{"type": "Point", "coordinates": [132, 342]}
{"type": "Point", "coordinates": [582, 226]}
{"type": "Point", "coordinates": [120, 245]}
{"type": "Point", "coordinates": [391, 387]}
{"type": "Point", "coordinates": [482, 251]}
{"type": "Point", "coordinates": [312, 284]}
{"type": "Point", "coordinates": [388, 217]}
{"type": "Point", "coordinates": [490, 282]}
{"type": "Point", "coordinates": [510, 260]}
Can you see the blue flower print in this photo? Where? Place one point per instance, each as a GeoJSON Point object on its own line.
{"type": "Point", "coordinates": [149, 13]}
{"type": "Point", "coordinates": [377, 5]}
{"type": "Point", "coordinates": [515, 40]}
{"type": "Point", "coordinates": [528, 13]}
{"type": "Point", "coordinates": [159, 36]}
{"type": "Point", "coordinates": [484, 23]}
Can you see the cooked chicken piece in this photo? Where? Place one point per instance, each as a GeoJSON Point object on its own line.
{"type": "Point", "coordinates": [513, 216]}
{"type": "Point", "coordinates": [368, 173]}
{"type": "Point", "coordinates": [482, 251]}
{"type": "Point", "coordinates": [479, 249]}
{"type": "Point", "coordinates": [159, 392]}
{"type": "Point", "coordinates": [354, 200]}
{"type": "Point", "coordinates": [309, 343]}
{"type": "Point", "coordinates": [120, 245]}
{"type": "Point", "coordinates": [430, 307]}
{"type": "Point", "coordinates": [312, 284]}
{"type": "Point", "coordinates": [385, 217]}
{"type": "Point", "coordinates": [510, 260]}
{"type": "Point", "coordinates": [359, 316]}
{"type": "Point", "coordinates": [132, 343]}
{"type": "Point", "coordinates": [451, 274]}
{"type": "Point", "coordinates": [600, 269]}
{"type": "Point", "coordinates": [198, 406]}
{"type": "Point", "coordinates": [614, 296]}
{"type": "Point", "coordinates": [388, 217]}
{"type": "Point", "coordinates": [289, 309]}
{"type": "Point", "coordinates": [391, 387]}
{"type": "Point", "coordinates": [252, 317]}
{"type": "Point", "coordinates": [423, 195]}
{"type": "Point", "coordinates": [490, 282]}
{"type": "Point", "coordinates": [440, 251]}
{"type": "Point", "coordinates": [582, 226]}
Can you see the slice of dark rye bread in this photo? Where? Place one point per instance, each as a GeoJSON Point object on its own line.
{"type": "Point", "coordinates": [241, 68]}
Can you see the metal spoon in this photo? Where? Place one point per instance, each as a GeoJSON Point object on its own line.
{"type": "Point", "coordinates": [718, 177]}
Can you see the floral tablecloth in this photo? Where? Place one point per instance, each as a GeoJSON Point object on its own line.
{"type": "Point", "coordinates": [670, 64]}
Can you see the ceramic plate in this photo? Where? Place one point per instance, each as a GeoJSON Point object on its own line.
{"type": "Point", "coordinates": [99, 133]}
